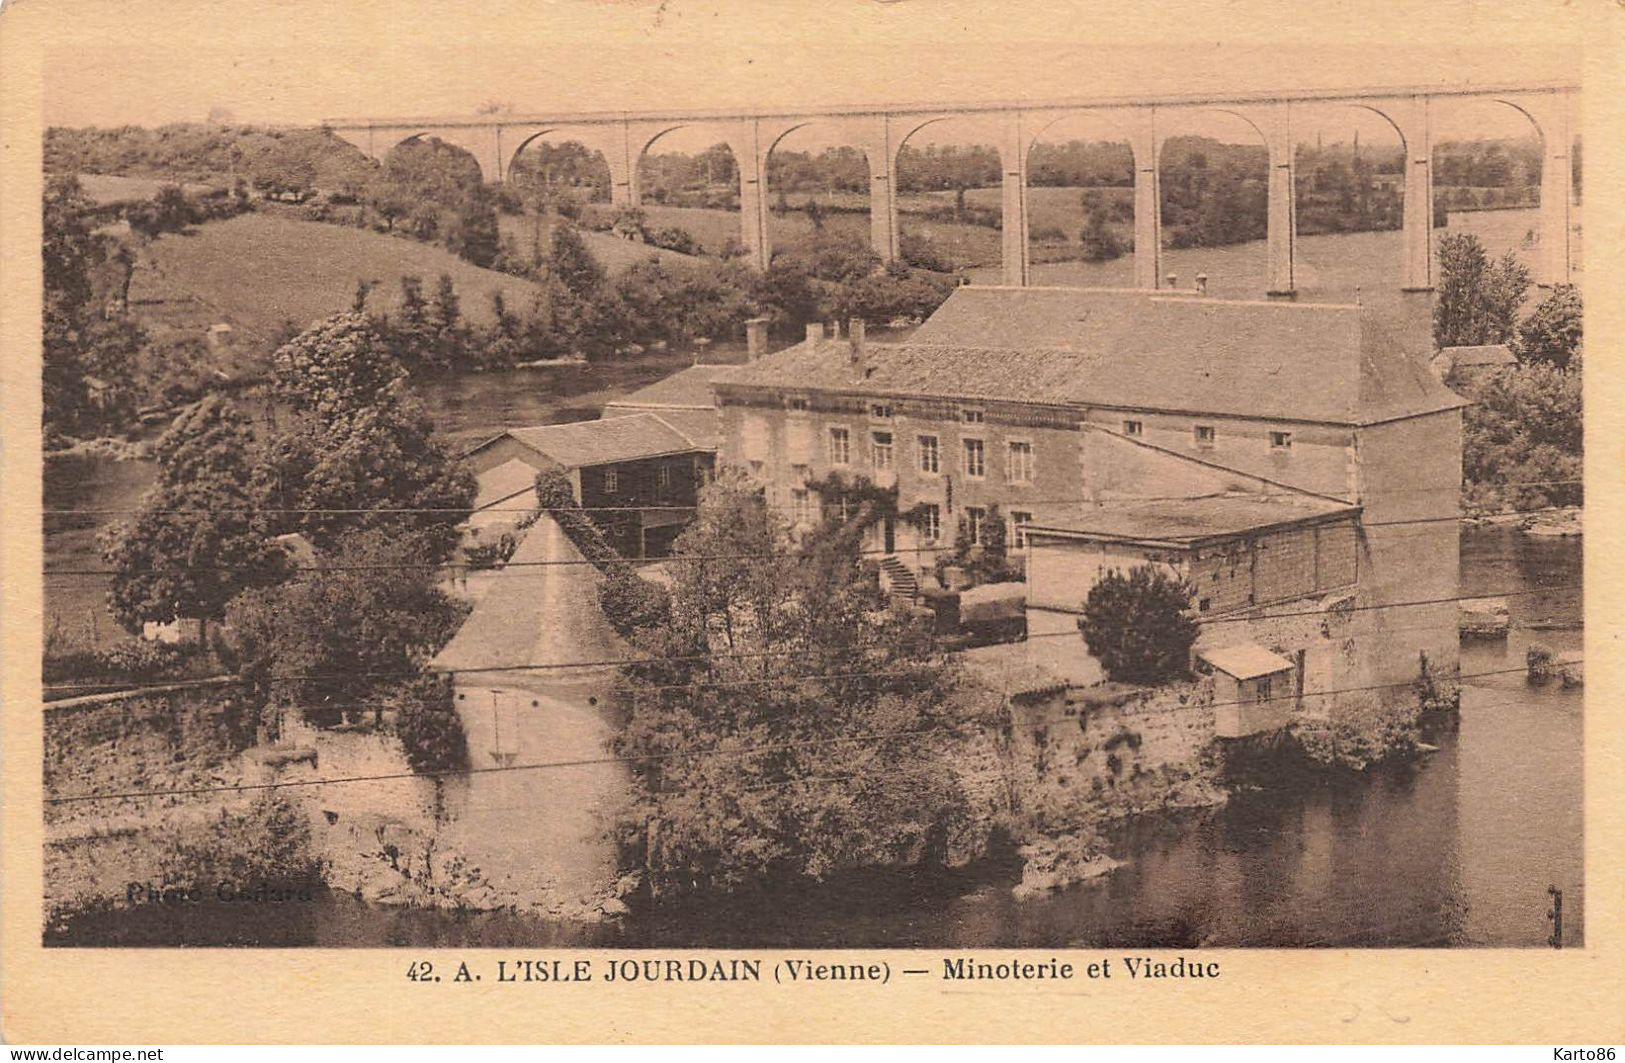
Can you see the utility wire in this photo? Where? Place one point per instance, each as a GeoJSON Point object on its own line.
{"type": "Point", "coordinates": [678, 754]}
{"type": "Point", "coordinates": [657, 506]}
{"type": "Point", "coordinates": [772, 555]}
{"type": "Point", "coordinates": [1330, 613]}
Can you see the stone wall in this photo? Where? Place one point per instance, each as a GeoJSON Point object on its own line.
{"type": "Point", "coordinates": [183, 736]}
{"type": "Point", "coordinates": [1081, 756]}
{"type": "Point", "coordinates": [179, 736]}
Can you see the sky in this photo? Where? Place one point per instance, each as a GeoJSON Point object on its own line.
{"type": "Point", "coordinates": [299, 62]}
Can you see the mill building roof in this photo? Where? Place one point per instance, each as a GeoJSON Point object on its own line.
{"type": "Point", "coordinates": [1135, 350]}
{"type": "Point", "coordinates": [604, 441]}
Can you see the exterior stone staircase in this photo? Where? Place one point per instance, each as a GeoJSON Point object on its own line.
{"type": "Point", "coordinates": [898, 580]}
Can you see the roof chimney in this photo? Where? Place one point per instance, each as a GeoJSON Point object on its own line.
{"type": "Point", "coordinates": [1201, 284]}
{"type": "Point", "coordinates": [815, 331]}
{"type": "Point", "coordinates": [755, 338]}
{"type": "Point", "coordinates": [860, 349]}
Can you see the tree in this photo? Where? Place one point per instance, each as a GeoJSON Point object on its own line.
{"type": "Point", "coordinates": [475, 234]}
{"type": "Point", "coordinates": [1523, 440]}
{"type": "Point", "coordinates": [69, 251]}
{"type": "Point", "coordinates": [359, 452]}
{"type": "Point", "coordinates": [777, 719]}
{"type": "Point", "coordinates": [1478, 300]}
{"type": "Point", "coordinates": [429, 728]}
{"type": "Point", "coordinates": [361, 623]}
{"type": "Point", "coordinates": [1552, 332]}
{"type": "Point", "coordinates": [337, 368]}
{"type": "Point", "coordinates": [571, 263]}
{"type": "Point", "coordinates": [1100, 243]}
{"type": "Point", "coordinates": [195, 544]}
{"type": "Point", "coordinates": [1138, 625]}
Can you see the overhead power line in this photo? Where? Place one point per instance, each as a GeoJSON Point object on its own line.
{"type": "Point", "coordinates": [678, 754]}
{"type": "Point", "coordinates": [757, 654]}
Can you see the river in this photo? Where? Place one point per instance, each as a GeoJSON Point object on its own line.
{"type": "Point", "coordinates": [1456, 848]}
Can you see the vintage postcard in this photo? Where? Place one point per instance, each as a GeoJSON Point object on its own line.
{"type": "Point", "coordinates": [763, 522]}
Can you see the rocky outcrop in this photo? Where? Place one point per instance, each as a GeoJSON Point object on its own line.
{"type": "Point", "coordinates": [1051, 863]}
{"type": "Point", "coordinates": [1483, 618]}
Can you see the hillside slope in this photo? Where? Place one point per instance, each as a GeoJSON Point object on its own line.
{"type": "Point", "coordinates": [257, 271]}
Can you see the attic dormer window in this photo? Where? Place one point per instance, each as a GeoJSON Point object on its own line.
{"type": "Point", "coordinates": [972, 414]}
{"type": "Point", "coordinates": [1205, 436]}
{"type": "Point", "coordinates": [796, 404]}
{"type": "Point", "coordinates": [1280, 440]}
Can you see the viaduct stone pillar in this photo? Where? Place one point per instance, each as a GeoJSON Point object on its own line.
{"type": "Point", "coordinates": [620, 148]}
{"type": "Point", "coordinates": [885, 236]}
{"type": "Point", "coordinates": [1552, 115]}
{"type": "Point", "coordinates": [1414, 128]}
{"type": "Point", "coordinates": [750, 154]}
{"type": "Point", "coordinates": [1146, 147]}
{"type": "Point", "coordinates": [1013, 146]}
{"type": "Point", "coordinates": [1275, 123]}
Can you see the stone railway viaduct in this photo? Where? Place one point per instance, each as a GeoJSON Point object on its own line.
{"type": "Point", "coordinates": [495, 141]}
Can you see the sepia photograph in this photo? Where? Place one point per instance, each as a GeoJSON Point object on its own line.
{"type": "Point", "coordinates": [647, 481]}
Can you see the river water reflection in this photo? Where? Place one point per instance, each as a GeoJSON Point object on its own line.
{"type": "Point", "coordinates": [1457, 848]}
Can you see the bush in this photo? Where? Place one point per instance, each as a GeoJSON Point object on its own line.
{"type": "Point", "coordinates": [1138, 625]}
{"type": "Point", "coordinates": [429, 728]}
{"type": "Point", "coordinates": [491, 554]}
{"type": "Point", "coordinates": [132, 660]}
{"type": "Point", "coordinates": [266, 844]}
{"type": "Point", "coordinates": [1361, 735]}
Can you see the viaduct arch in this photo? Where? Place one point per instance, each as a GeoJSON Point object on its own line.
{"type": "Point", "coordinates": [880, 131]}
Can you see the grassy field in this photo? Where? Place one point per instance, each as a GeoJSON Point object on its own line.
{"type": "Point", "coordinates": [1344, 268]}
{"type": "Point", "coordinates": [968, 246]}
{"type": "Point", "coordinates": [257, 272]}
{"type": "Point", "coordinates": [611, 252]}
{"type": "Point", "coordinates": [104, 189]}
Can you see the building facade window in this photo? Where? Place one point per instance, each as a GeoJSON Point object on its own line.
{"type": "Point", "coordinates": [1134, 428]}
{"type": "Point", "coordinates": [1264, 688]}
{"type": "Point", "coordinates": [931, 522]}
{"type": "Point", "coordinates": [1280, 440]}
{"type": "Point", "coordinates": [612, 481]}
{"type": "Point", "coordinates": [972, 414]}
{"type": "Point", "coordinates": [662, 480]}
{"type": "Point", "coordinates": [1019, 462]}
{"type": "Point", "coordinates": [1205, 436]}
{"type": "Point", "coordinates": [880, 447]}
{"type": "Point", "coordinates": [1019, 519]}
{"type": "Point", "coordinates": [880, 411]}
{"type": "Point", "coordinates": [929, 456]}
{"type": "Point", "coordinates": [801, 505]}
{"type": "Point", "coordinates": [975, 459]}
{"type": "Point", "coordinates": [975, 517]}
{"type": "Point", "coordinates": [796, 404]}
{"type": "Point", "coordinates": [840, 446]}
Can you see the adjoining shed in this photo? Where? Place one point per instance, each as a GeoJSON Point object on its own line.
{"type": "Point", "coordinates": [1254, 689]}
